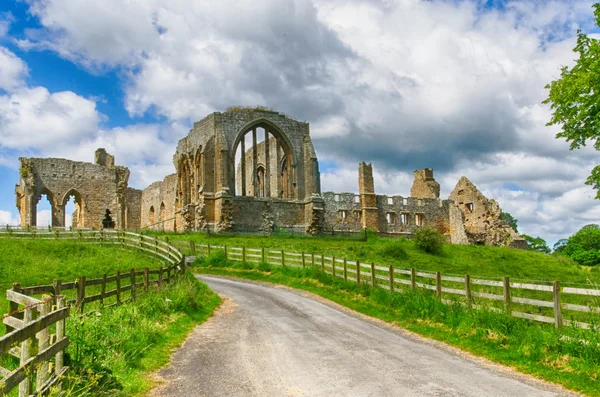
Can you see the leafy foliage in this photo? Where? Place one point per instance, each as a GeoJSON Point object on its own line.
{"type": "Point", "coordinates": [559, 246]}
{"type": "Point", "coordinates": [429, 240]}
{"type": "Point", "coordinates": [575, 98]}
{"type": "Point", "coordinates": [584, 246]}
{"type": "Point", "coordinates": [508, 218]}
{"type": "Point", "coordinates": [536, 244]}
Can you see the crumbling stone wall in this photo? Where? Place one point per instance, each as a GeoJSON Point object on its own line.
{"type": "Point", "coordinates": [482, 221]}
{"type": "Point", "coordinates": [208, 189]}
{"type": "Point", "coordinates": [161, 198]}
{"type": "Point", "coordinates": [424, 185]}
{"type": "Point", "coordinates": [401, 215]}
{"type": "Point", "coordinates": [96, 188]}
{"type": "Point", "coordinates": [206, 171]}
{"type": "Point", "coordinates": [343, 212]}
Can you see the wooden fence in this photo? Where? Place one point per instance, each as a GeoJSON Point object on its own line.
{"type": "Point", "coordinates": [544, 301]}
{"type": "Point", "coordinates": [35, 328]}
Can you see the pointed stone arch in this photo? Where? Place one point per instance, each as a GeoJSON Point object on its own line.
{"type": "Point", "coordinates": [283, 150]}
{"type": "Point", "coordinates": [78, 219]}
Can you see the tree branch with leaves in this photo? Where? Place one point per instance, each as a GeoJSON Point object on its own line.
{"type": "Point", "coordinates": [574, 98]}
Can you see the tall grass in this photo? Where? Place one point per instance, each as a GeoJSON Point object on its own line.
{"type": "Point", "coordinates": [111, 350]}
{"type": "Point", "coordinates": [570, 356]}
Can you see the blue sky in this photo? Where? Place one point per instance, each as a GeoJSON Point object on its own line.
{"type": "Point", "coordinates": [453, 85]}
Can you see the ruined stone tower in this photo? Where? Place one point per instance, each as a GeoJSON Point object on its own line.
{"type": "Point", "coordinates": [368, 198]}
{"type": "Point", "coordinates": [424, 185]}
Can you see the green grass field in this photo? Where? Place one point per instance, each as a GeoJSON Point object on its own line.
{"type": "Point", "coordinates": [113, 352]}
{"type": "Point", "coordinates": [35, 262]}
{"type": "Point", "coordinates": [402, 253]}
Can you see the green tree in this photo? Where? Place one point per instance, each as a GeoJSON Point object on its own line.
{"type": "Point", "coordinates": [536, 244]}
{"type": "Point", "coordinates": [508, 218]}
{"type": "Point", "coordinates": [584, 246]}
{"type": "Point", "coordinates": [575, 98]}
{"type": "Point", "coordinates": [559, 246]}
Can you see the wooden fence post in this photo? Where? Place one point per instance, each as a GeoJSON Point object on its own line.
{"type": "Point", "coordinates": [263, 254]}
{"type": "Point", "coordinates": [118, 280]}
{"type": "Point", "coordinates": [312, 259]}
{"type": "Point", "coordinates": [373, 281]}
{"type": "Point", "coordinates": [282, 258]}
{"type": "Point", "coordinates": [26, 353]}
{"type": "Point", "coordinates": [225, 251]}
{"type": "Point", "coordinates": [303, 263]}
{"type": "Point", "coordinates": [60, 334]}
{"type": "Point", "coordinates": [103, 288]}
{"type": "Point", "coordinates": [43, 343]}
{"type": "Point", "coordinates": [168, 274]}
{"type": "Point", "coordinates": [57, 287]}
{"type": "Point", "coordinates": [413, 281]}
{"type": "Point", "coordinates": [193, 247]}
{"type": "Point", "coordinates": [243, 254]}
{"type": "Point", "coordinates": [208, 249]}
{"type": "Point", "coordinates": [146, 279]}
{"type": "Point", "coordinates": [557, 311]}
{"type": "Point", "coordinates": [323, 263]}
{"type": "Point", "coordinates": [80, 293]}
{"type": "Point", "coordinates": [333, 266]}
{"type": "Point", "coordinates": [391, 278]}
{"type": "Point", "coordinates": [132, 280]}
{"type": "Point", "coordinates": [357, 272]}
{"type": "Point", "coordinates": [345, 270]}
{"type": "Point", "coordinates": [438, 285]}
{"type": "Point", "coordinates": [468, 291]}
{"type": "Point", "coordinates": [506, 285]}
{"type": "Point", "coordinates": [160, 277]}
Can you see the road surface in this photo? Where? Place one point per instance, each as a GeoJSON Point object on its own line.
{"type": "Point", "coordinates": [268, 341]}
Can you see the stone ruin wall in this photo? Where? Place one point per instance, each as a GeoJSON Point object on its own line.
{"type": "Point", "coordinates": [157, 196]}
{"type": "Point", "coordinates": [202, 191]}
{"type": "Point", "coordinates": [275, 157]}
{"type": "Point", "coordinates": [96, 188]}
{"type": "Point", "coordinates": [481, 217]}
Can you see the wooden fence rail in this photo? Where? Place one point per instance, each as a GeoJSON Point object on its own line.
{"type": "Point", "coordinates": [533, 300]}
{"type": "Point", "coordinates": [35, 328]}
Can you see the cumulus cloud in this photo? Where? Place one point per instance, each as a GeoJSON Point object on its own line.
{"type": "Point", "coordinates": [12, 69]}
{"type": "Point", "coordinates": [452, 85]}
{"type": "Point", "coordinates": [34, 117]}
{"type": "Point", "coordinates": [7, 218]}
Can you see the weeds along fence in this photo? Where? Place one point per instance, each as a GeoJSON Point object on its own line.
{"type": "Point", "coordinates": [561, 304]}
{"type": "Point", "coordinates": [32, 349]}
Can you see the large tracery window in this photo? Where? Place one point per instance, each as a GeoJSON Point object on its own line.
{"type": "Point", "coordinates": [262, 164]}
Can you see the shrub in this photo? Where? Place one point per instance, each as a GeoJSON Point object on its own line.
{"type": "Point", "coordinates": [429, 240]}
{"type": "Point", "coordinates": [394, 250]}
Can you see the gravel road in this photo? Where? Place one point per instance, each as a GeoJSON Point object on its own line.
{"type": "Point", "coordinates": [267, 341]}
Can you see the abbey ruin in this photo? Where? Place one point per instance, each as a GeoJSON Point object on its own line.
{"type": "Point", "coordinates": [252, 170]}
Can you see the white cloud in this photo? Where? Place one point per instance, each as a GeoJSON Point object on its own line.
{"type": "Point", "coordinates": [12, 69]}
{"type": "Point", "coordinates": [36, 118]}
{"type": "Point", "coordinates": [7, 218]}
{"type": "Point", "coordinates": [406, 84]}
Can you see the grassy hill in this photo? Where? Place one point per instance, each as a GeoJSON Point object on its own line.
{"type": "Point", "coordinates": [34, 262]}
{"type": "Point", "coordinates": [402, 253]}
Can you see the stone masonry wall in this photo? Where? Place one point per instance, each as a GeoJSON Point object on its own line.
{"type": "Point", "coordinates": [97, 187]}
{"type": "Point", "coordinates": [155, 196]}
{"type": "Point", "coordinates": [343, 211]}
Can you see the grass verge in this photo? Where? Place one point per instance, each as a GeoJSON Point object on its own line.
{"type": "Point", "coordinates": [114, 351]}
{"type": "Point", "coordinates": [558, 356]}
{"type": "Point", "coordinates": [476, 260]}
